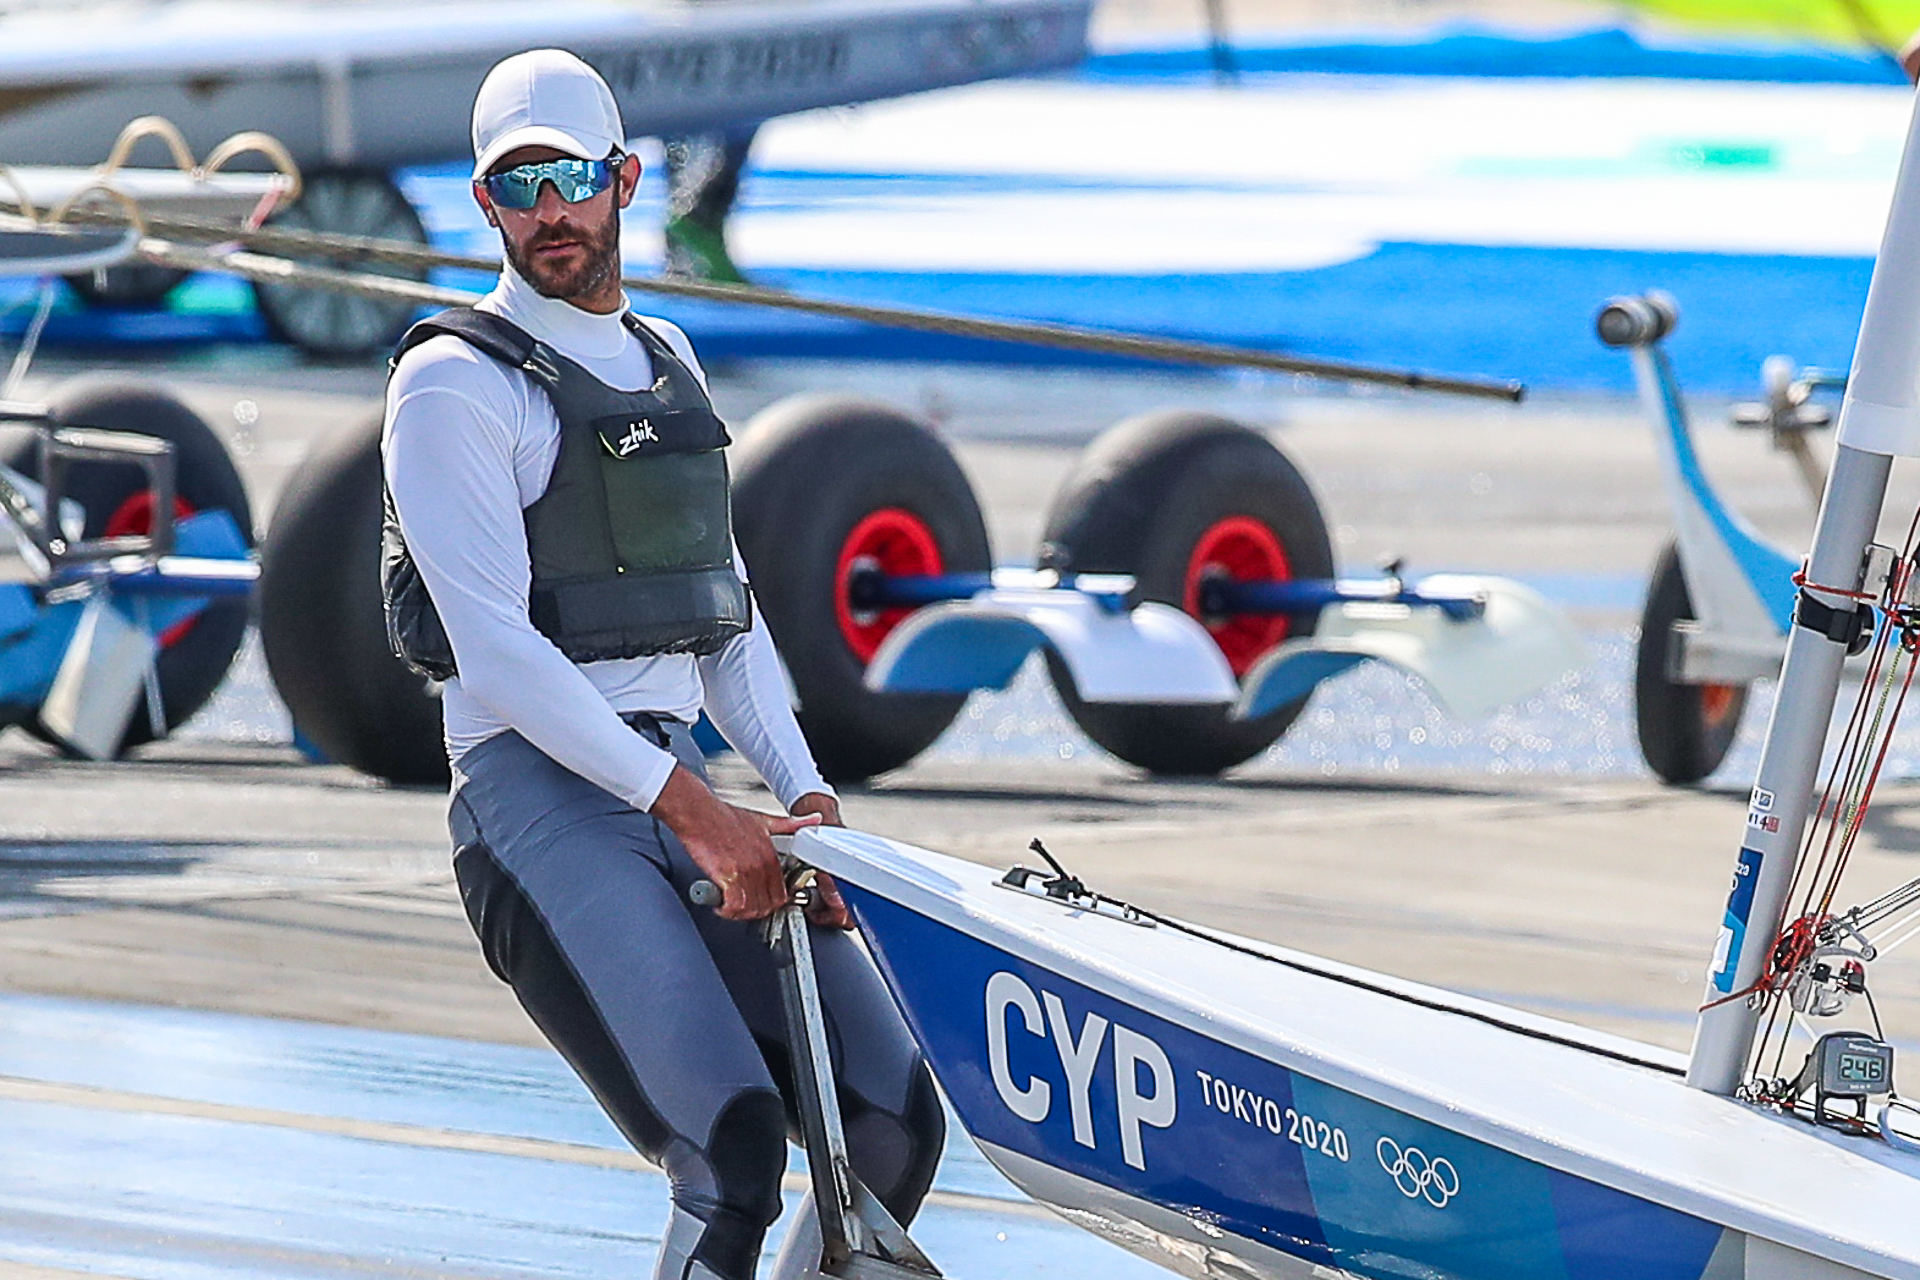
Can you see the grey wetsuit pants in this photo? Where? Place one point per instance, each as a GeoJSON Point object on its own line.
{"type": "Point", "coordinates": [670, 1014]}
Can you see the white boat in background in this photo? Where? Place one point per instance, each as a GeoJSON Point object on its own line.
{"type": "Point", "coordinates": [229, 197]}
{"type": "Point", "coordinates": [356, 91]}
{"type": "Point", "coordinates": [385, 85]}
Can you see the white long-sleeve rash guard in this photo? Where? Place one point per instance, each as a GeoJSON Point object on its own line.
{"type": "Point", "coordinates": [468, 445]}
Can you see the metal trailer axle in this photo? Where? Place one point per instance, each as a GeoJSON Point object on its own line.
{"type": "Point", "coordinates": [42, 548]}
{"type": "Point", "coordinates": [871, 589]}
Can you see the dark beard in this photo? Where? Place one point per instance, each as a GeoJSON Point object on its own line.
{"type": "Point", "coordinates": [602, 262]}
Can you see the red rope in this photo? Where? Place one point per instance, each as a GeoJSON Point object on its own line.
{"type": "Point", "coordinates": [1800, 580]}
{"type": "Point", "coordinates": [1866, 795]}
{"type": "Point", "coordinates": [1790, 951]}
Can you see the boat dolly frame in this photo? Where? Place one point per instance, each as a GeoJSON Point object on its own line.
{"type": "Point", "coordinates": [859, 1239]}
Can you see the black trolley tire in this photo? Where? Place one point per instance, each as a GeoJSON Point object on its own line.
{"type": "Point", "coordinates": [137, 284]}
{"type": "Point", "coordinates": [1138, 502]}
{"type": "Point", "coordinates": [329, 325]}
{"type": "Point", "coordinates": [193, 665]}
{"type": "Point", "coordinates": [323, 625]}
{"type": "Point", "coordinates": [807, 471]}
{"type": "Point", "coordinates": [1684, 730]}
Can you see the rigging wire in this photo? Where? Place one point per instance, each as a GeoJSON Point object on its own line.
{"type": "Point", "coordinates": [1847, 809]}
{"type": "Point", "coordinates": [1912, 926]}
{"type": "Point", "coordinates": [1852, 779]}
{"type": "Point", "coordinates": [1071, 885]}
{"type": "Point", "coordinates": [1802, 934]}
{"type": "Point", "coordinates": [1842, 755]}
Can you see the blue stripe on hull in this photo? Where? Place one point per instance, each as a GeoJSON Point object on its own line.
{"type": "Point", "coordinates": [1100, 1089]}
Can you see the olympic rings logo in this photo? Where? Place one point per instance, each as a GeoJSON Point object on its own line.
{"type": "Point", "coordinates": [1416, 1175]}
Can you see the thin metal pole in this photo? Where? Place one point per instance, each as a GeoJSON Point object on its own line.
{"type": "Point", "coordinates": [1220, 43]}
{"type": "Point", "coordinates": [23, 358]}
{"type": "Point", "coordinates": [361, 250]}
{"type": "Point", "coordinates": [1783, 789]}
{"type": "Point", "coordinates": [819, 1105]}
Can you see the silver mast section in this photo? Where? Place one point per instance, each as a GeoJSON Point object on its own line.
{"type": "Point", "coordinates": [1783, 791]}
{"type": "Point", "coordinates": [1879, 420]}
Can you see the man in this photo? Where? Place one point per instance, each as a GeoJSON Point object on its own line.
{"type": "Point", "coordinates": [558, 550]}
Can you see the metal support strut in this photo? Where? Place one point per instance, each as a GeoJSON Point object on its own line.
{"type": "Point", "coordinates": [859, 1238]}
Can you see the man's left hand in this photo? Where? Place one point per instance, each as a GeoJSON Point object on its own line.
{"type": "Point", "coordinates": [829, 910]}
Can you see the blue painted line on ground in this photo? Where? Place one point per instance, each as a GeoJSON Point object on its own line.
{"type": "Point", "coordinates": [310, 1068]}
{"type": "Point", "coordinates": [206, 1186]}
{"type": "Point", "coordinates": [172, 1198]}
{"type": "Point", "coordinates": [1463, 310]}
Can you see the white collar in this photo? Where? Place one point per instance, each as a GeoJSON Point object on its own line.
{"type": "Point", "coordinates": [566, 328]}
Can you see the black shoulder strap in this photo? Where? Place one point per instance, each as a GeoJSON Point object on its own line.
{"type": "Point", "coordinates": [657, 347]}
{"type": "Point", "coordinates": [486, 333]}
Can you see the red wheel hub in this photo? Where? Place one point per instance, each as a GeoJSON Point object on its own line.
{"type": "Point", "coordinates": [896, 542]}
{"type": "Point", "coordinates": [1242, 549]}
{"type": "Point", "coordinates": [132, 519]}
{"type": "Point", "coordinates": [1717, 702]}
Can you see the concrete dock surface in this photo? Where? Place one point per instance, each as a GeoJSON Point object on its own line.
{"type": "Point", "coordinates": [269, 886]}
{"type": "Point", "coordinates": [228, 875]}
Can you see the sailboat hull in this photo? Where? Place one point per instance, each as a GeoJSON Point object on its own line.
{"type": "Point", "coordinates": [1215, 1162]}
{"type": "Point", "coordinates": [1240, 1111]}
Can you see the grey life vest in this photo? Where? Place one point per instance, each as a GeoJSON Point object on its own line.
{"type": "Point", "coordinates": [631, 544]}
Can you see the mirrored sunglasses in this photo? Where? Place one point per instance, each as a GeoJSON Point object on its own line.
{"type": "Point", "coordinates": [575, 180]}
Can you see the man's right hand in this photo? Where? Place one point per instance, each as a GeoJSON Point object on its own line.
{"type": "Point", "coordinates": [733, 846]}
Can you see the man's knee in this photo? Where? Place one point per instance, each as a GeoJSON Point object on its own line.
{"type": "Point", "coordinates": [896, 1153]}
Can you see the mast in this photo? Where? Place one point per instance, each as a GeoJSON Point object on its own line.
{"type": "Point", "coordinates": [1879, 420]}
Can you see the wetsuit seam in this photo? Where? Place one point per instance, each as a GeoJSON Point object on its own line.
{"type": "Point", "coordinates": [460, 799]}
{"type": "Point", "coordinates": [600, 1016]}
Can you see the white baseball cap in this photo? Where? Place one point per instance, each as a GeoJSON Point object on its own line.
{"type": "Point", "coordinates": [544, 98]}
